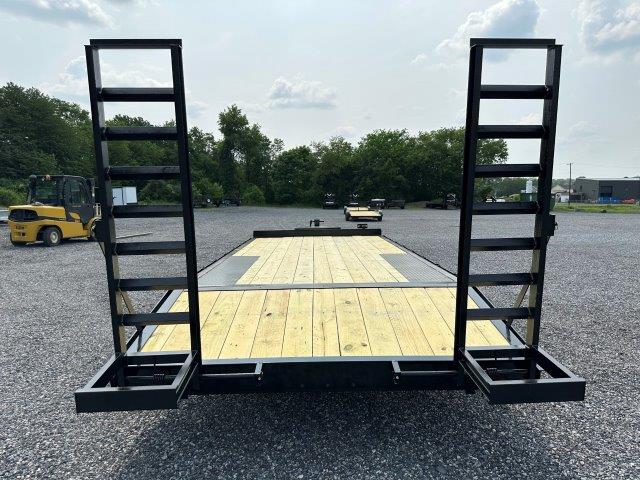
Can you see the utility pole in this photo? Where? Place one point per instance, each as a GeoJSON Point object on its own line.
{"type": "Point", "coordinates": [570, 163]}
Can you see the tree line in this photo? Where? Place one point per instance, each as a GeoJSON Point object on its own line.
{"type": "Point", "coordinates": [41, 134]}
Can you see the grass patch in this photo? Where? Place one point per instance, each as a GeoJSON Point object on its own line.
{"type": "Point", "coordinates": [596, 208]}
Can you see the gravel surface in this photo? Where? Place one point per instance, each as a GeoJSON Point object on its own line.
{"type": "Point", "coordinates": [55, 335]}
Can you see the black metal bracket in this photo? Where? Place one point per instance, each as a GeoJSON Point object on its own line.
{"type": "Point", "coordinates": [138, 381]}
{"type": "Point", "coordinates": [521, 375]}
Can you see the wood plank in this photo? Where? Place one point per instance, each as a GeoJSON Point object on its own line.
{"type": "Point", "coordinates": [357, 270]}
{"type": "Point", "coordinates": [270, 332]}
{"type": "Point", "coordinates": [217, 325]}
{"type": "Point", "coordinates": [351, 329]}
{"type": "Point", "coordinates": [371, 254]}
{"type": "Point", "coordinates": [339, 271]}
{"type": "Point", "coordinates": [264, 256]}
{"type": "Point", "coordinates": [162, 333]}
{"type": "Point", "coordinates": [382, 337]}
{"type": "Point", "coordinates": [384, 245]}
{"type": "Point", "coordinates": [446, 305]}
{"type": "Point", "coordinates": [206, 301]}
{"type": "Point", "coordinates": [270, 267]}
{"type": "Point", "coordinates": [287, 268]}
{"type": "Point", "coordinates": [433, 326]}
{"type": "Point", "coordinates": [408, 332]}
{"type": "Point", "coordinates": [245, 323]}
{"type": "Point", "coordinates": [373, 263]}
{"type": "Point", "coordinates": [298, 331]}
{"type": "Point", "coordinates": [488, 329]}
{"type": "Point", "coordinates": [254, 247]}
{"type": "Point", "coordinates": [321, 270]}
{"type": "Point", "coordinates": [325, 324]}
{"type": "Point", "coordinates": [304, 269]}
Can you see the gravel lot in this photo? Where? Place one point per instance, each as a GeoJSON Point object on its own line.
{"type": "Point", "coordinates": [55, 335]}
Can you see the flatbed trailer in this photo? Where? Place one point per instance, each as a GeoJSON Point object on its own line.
{"type": "Point", "coordinates": [362, 214]}
{"type": "Point", "coordinates": [324, 308]}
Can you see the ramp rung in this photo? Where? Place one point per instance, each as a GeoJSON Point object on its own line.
{"type": "Point", "coordinates": [149, 248]}
{"type": "Point", "coordinates": [515, 92]}
{"type": "Point", "coordinates": [137, 43]}
{"type": "Point", "coordinates": [513, 42]}
{"type": "Point", "coordinates": [499, 313]}
{"type": "Point", "coordinates": [136, 95]}
{"type": "Point", "coordinates": [505, 208]}
{"type": "Point", "coordinates": [511, 131]}
{"type": "Point", "coordinates": [494, 279]}
{"type": "Point", "coordinates": [139, 133]}
{"type": "Point", "coordinates": [501, 244]}
{"type": "Point", "coordinates": [143, 211]}
{"type": "Point", "coordinates": [144, 284]}
{"type": "Point", "coordinates": [164, 318]}
{"type": "Point", "coordinates": [508, 170]}
{"type": "Point", "coordinates": [167, 172]}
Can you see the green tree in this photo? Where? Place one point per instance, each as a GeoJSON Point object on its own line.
{"type": "Point", "coordinates": [293, 176]}
{"type": "Point", "coordinates": [232, 123]}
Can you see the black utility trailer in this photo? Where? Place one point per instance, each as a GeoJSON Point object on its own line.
{"type": "Point", "coordinates": [325, 308]}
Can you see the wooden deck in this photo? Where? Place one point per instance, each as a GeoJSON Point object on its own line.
{"type": "Point", "coordinates": [285, 321]}
{"type": "Point", "coordinates": [299, 260]}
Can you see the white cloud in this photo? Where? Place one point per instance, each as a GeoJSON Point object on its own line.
{"type": "Point", "coordinates": [531, 119]}
{"type": "Point", "coordinates": [300, 93]}
{"type": "Point", "coordinates": [609, 28]}
{"type": "Point", "coordinates": [345, 131]}
{"type": "Point", "coordinates": [196, 108]}
{"type": "Point", "coordinates": [507, 18]}
{"type": "Point", "coordinates": [419, 59]}
{"type": "Point", "coordinates": [73, 81]}
{"type": "Point", "coordinates": [60, 12]}
{"type": "Point", "coordinates": [581, 132]}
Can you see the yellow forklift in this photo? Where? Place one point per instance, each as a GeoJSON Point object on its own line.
{"type": "Point", "coordinates": [58, 207]}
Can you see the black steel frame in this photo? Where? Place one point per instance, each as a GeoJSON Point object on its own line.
{"type": "Point", "coordinates": [134, 380]}
{"type": "Point", "coordinates": [524, 385]}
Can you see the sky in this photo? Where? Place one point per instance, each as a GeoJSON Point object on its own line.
{"type": "Point", "coordinates": [309, 70]}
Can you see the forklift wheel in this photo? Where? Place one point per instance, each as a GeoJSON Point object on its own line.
{"type": "Point", "coordinates": [51, 236]}
{"type": "Point", "coordinates": [17, 244]}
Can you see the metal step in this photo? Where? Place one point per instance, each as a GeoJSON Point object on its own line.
{"type": "Point", "coordinates": [166, 172]}
{"type": "Point", "coordinates": [502, 244]}
{"type": "Point", "coordinates": [139, 133]}
{"type": "Point", "coordinates": [138, 43]}
{"type": "Point", "coordinates": [499, 313]}
{"type": "Point", "coordinates": [143, 211]}
{"type": "Point", "coordinates": [136, 95]}
{"type": "Point", "coordinates": [149, 248]}
{"type": "Point", "coordinates": [144, 284]}
{"type": "Point", "coordinates": [511, 131]}
{"type": "Point", "coordinates": [508, 170]}
{"type": "Point", "coordinates": [505, 208]}
{"type": "Point", "coordinates": [515, 92]}
{"type": "Point", "coordinates": [512, 42]}
{"type": "Point", "coordinates": [164, 318]}
{"type": "Point", "coordinates": [494, 279]}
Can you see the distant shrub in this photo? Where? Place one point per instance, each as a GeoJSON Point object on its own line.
{"type": "Point", "coordinates": [160, 191]}
{"type": "Point", "coordinates": [9, 197]}
{"type": "Point", "coordinates": [253, 195]}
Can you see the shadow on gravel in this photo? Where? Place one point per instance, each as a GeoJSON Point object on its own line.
{"type": "Point", "coordinates": [357, 435]}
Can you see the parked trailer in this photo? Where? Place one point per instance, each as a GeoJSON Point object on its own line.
{"type": "Point", "coordinates": [326, 308]}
